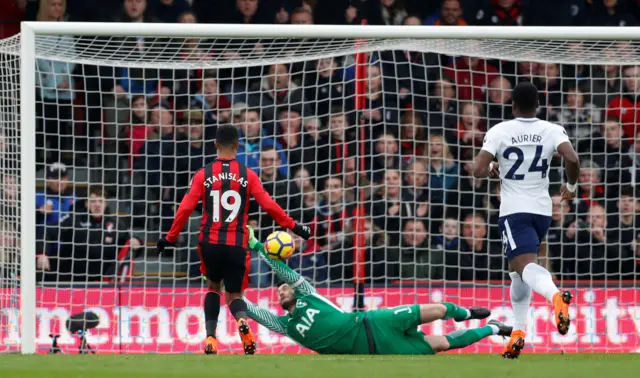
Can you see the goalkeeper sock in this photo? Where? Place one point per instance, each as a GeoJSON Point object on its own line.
{"type": "Point", "coordinates": [520, 301]}
{"type": "Point", "coordinates": [455, 312]}
{"type": "Point", "coordinates": [540, 280]}
{"type": "Point", "coordinates": [464, 338]}
{"type": "Point", "coordinates": [211, 312]}
{"type": "Point", "coordinates": [238, 308]}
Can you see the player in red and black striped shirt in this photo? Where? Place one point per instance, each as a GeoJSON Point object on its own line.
{"type": "Point", "coordinates": [225, 187]}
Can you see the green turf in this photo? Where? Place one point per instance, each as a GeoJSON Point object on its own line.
{"type": "Point", "coordinates": [310, 366]}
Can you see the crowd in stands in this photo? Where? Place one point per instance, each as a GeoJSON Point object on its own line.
{"type": "Point", "coordinates": [404, 162]}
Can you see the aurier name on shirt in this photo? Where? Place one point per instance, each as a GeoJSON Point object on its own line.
{"type": "Point", "coordinates": [526, 138]}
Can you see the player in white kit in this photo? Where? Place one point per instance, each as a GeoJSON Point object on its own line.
{"type": "Point", "coordinates": [523, 148]}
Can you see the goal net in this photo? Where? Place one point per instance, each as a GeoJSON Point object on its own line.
{"type": "Point", "coordinates": [369, 140]}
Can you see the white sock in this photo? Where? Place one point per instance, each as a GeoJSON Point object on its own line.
{"type": "Point", "coordinates": [494, 328]}
{"type": "Point", "coordinates": [540, 280]}
{"type": "Point", "coordinates": [520, 301]}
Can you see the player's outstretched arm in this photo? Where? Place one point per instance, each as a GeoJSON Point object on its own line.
{"type": "Point", "coordinates": [266, 318]}
{"type": "Point", "coordinates": [483, 164]}
{"type": "Point", "coordinates": [288, 275]}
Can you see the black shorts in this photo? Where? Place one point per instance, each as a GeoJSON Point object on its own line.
{"type": "Point", "coordinates": [230, 264]}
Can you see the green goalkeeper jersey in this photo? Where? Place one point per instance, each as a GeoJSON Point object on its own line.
{"type": "Point", "coordinates": [316, 323]}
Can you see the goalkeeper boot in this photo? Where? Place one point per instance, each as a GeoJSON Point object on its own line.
{"type": "Point", "coordinates": [211, 345]}
{"type": "Point", "coordinates": [248, 341]}
{"type": "Point", "coordinates": [515, 345]}
{"type": "Point", "coordinates": [561, 302]}
{"type": "Point", "coordinates": [479, 312]}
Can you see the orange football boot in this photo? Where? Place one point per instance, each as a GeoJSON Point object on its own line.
{"type": "Point", "coordinates": [515, 345]}
{"type": "Point", "coordinates": [248, 341]}
{"type": "Point", "coordinates": [561, 302]}
{"type": "Point", "coordinates": [211, 345]}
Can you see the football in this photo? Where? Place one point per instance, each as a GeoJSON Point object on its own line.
{"type": "Point", "coordinates": [279, 245]}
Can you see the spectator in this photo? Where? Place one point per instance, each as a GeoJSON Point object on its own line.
{"type": "Point", "coordinates": [388, 207]}
{"type": "Point", "coordinates": [448, 239]}
{"type": "Point", "coordinates": [625, 225]}
{"type": "Point", "coordinates": [384, 12]}
{"type": "Point", "coordinates": [443, 169]}
{"type": "Point", "coordinates": [471, 128]}
{"type": "Point", "coordinates": [56, 202]}
{"type": "Point", "coordinates": [169, 10]}
{"type": "Point", "coordinates": [412, 135]}
{"type": "Point", "coordinates": [624, 106]}
{"type": "Point", "coordinates": [380, 111]}
{"type": "Point", "coordinates": [577, 115]}
{"type": "Point", "coordinates": [216, 106]}
{"type": "Point", "coordinates": [478, 258]}
{"type": "Point", "coordinates": [56, 90]}
{"type": "Point", "coordinates": [499, 108]}
{"type": "Point", "coordinates": [192, 153]}
{"type": "Point", "coordinates": [139, 131]}
{"type": "Point", "coordinates": [415, 183]}
{"type": "Point", "coordinates": [385, 157]}
{"type": "Point", "coordinates": [610, 13]}
{"type": "Point", "coordinates": [605, 85]}
{"type": "Point", "coordinates": [559, 244]}
{"type": "Point", "coordinates": [302, 16]}
{"type": "Point", "coordinates": [549, 86]}
{"type": "Point", "coordinates": [9, 251]}
{"type": "Point", "coordinates": [299, 147]}
{"type": "Point", "coordinates": [501, 12]}
{"type": "Point", "coordinates": [357, 187]}
{"type": "Point", "coordinates": [334, 148]}
{"type": "Point", "coordinates": [634, 155]}
{"type": "Point", "coordinates": [590, 189]}
{"type": "Point", "coordinates": [471, 191]}
{"type": "Point", "coordinates": [305, 186]}
{"type": "Point", "coordinates": [450, 15]}
{"type": "Point", "coordinates": [253, 140]}
{"type": "Point", "coordinates": [333, 213]}
{"type": "Point", "coordinates": [409, 74]}
{"type": "Point", "coordinates": [377, 252]}
{"type": "Point", "coordinates": [248, 12]}
{"type": "Point", "coordinates": [277, 90]}
{"type": "Point", "coordinates": [608, 151]}
{"type": "Point", "coordinates": [284, 191]}
{"type": "Point", "coordinates": [93, 245]}
{"type": "Point", "coordinates": [152, 168]}
{"type": "Point", "coordinates": [416, 259]}
{"type": "Point", "coordinates": [597, 249]}
{"type": "Point", "coordinates": [443, 108]}
{"type": "Point", "coordinates": [324, 85]}
{"type": "Point", "coordinates": [309, 262]}
{"type": "Point", "coordinates": [471, 76]}
{"type": "Point", "coordinates": [313, 128]}
{"type": "Point", "coordinates": [10, 196]}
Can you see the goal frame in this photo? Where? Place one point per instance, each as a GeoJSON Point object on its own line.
{"type": "Point", "coordinates": [29, 31]}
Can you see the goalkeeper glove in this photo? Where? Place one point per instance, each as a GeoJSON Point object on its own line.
{"type": "Point", "coordinates": [162, 244]}
{"type": "Point", "coordinates": [252, 238]}
{"type": "Point", "coordinates": [302, 231]}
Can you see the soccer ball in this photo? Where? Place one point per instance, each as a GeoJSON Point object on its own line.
{"type": "Point", "coordinates": [279, 245]}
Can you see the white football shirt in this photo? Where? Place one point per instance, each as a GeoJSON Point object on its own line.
{"type": "Point", "coordinates": [524, 148]}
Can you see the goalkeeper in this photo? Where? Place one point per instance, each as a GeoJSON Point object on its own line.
{"type": "Point", "coordinates": [314, 322]}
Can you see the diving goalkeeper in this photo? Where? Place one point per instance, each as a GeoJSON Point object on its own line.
{"type": "Point", "coordinates": [314, 322]}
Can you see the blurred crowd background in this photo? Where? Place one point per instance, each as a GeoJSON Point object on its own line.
{"type": "Point", "coordinates": [116, 147]}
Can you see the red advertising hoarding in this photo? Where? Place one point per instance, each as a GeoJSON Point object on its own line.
{"type": "Point", "coordinates": [168, 320]}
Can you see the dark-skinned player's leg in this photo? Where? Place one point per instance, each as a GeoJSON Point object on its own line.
{"type": "Point", "coordinates": [211, 268]}
{"type": "Point", "coordinates": [211, 314]}
{"type": "Point", "coordinates": [236, 280]}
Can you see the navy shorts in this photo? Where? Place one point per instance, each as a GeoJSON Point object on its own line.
{"type": "Point", "coordinates": [522, 233]}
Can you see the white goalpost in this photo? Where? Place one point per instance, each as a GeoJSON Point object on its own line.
{"type": "Point", "coordinates": [348, 126]}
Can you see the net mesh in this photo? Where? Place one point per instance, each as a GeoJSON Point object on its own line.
{"type": "Point", "coordinates": [123, 124]}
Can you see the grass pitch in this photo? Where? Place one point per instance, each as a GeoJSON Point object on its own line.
{"type": "Point", "coordinates": [312, 366]}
